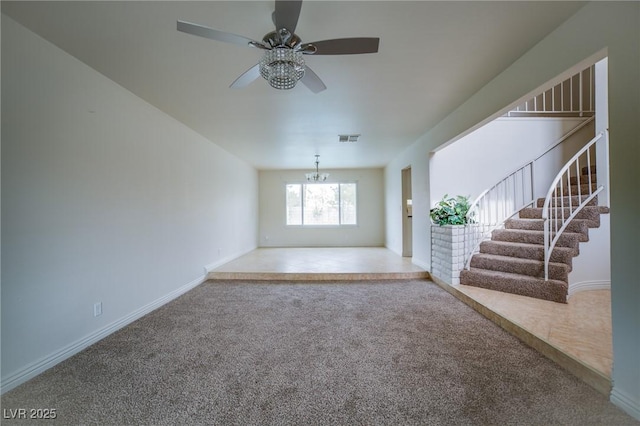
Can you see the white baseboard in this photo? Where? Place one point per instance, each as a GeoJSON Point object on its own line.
{"type": "Point", "coordinates": [37, 367]}
{"type": "Point", "coordinates": [626, 402]}
{"type": "Point", "coordinates": [589, 285]}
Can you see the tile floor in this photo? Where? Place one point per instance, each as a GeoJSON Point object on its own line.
{"type": "Point", "coordinates": [319, 264]}
{"type": "Point", "coordinates": [579, 330]}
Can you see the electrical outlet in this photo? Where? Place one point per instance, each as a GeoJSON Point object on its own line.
{"type": "Point", "coordinates": [97, 309]}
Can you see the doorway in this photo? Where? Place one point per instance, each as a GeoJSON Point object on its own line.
{"type": "Point", "coordinates": [407, 213]}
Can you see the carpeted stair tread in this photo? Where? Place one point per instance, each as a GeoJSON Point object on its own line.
{"type": "Point", "coordinates": [528, 251]}
{"type": "Point", "coordinates": [515, 265]}
{"type": "Point", "coordinates": [564, 201]}
{"type": "Point", "coordinates": [526, 223]}
{"type": "Point", "coordinates": [566, 239]}
{"type": "Point", "coordinates": [589, 213]}
{"type": "Point", "coordinates": [583, 179]}
{"type": "Point", "coordinates": [553, 290]}
{"type": "Point", "coordinates": [579, 226]}
{"type": "Point", "coordinates": [584, 188]}
{"type": "Point", "coordinates": [592, 167]}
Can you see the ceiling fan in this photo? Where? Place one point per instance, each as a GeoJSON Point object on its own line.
{"type": "Point", "coordinates": [283, 64]}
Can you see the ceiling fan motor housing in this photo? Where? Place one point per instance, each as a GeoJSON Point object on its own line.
{"type": "Point", "coordinates": [282, 38]}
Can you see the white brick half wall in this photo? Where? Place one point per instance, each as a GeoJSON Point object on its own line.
{"type": "Point", "coordinates": [447, 252]}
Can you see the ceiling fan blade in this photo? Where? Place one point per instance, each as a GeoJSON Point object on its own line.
{"type": "Point", "coordinates": [248, 77]}
{"type": "Point", "coordinates": [312, 81]}
{"type": "Point", "coordinates": [345, 46]}
{"type": "Point", "coordinates": [287, 13]}
{"type": "Point", "coordinates": [210, 33]}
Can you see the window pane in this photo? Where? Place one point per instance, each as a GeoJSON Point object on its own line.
{"type": "Point", "coordinates": [321, 204]}
{"type": "Point", "coordinates": [294, 204]}
{"type": "Point", "coordinates": [348, 204]}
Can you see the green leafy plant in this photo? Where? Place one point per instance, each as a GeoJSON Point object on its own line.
{"type": "Point", "coordinates": [451, 211]}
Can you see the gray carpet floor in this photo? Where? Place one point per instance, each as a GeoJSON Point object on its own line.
{"type": "Point", "coordinates": [364, 353]}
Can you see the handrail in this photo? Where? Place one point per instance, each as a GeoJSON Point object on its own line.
{"type": "Point", "coordinates": [551, 214]}
{"type": "Point", "coordinates": [480, 228]}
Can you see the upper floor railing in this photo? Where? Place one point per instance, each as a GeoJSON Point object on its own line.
{"type": "Point", "coordinates": [573, 97]}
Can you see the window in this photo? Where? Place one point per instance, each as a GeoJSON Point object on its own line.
{"type": "Point", "coordinates": [318, 204]}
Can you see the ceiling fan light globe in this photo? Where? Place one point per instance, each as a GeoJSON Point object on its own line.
{"type": "Point", "coordinates": [282, 67]}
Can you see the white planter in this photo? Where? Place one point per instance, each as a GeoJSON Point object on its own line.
{"type": "Point", "coordinates": [447, 252]}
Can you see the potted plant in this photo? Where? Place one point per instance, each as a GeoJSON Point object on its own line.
{"type": "Point", "coordinates": [451, 211]}
{"type": "Point", "coordinates": [447, 238]}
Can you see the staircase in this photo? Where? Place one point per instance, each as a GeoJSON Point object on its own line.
{"type": "Point", "coordinates": [512, 261]}
{"type": "Point", "coordinates": [518, 243]}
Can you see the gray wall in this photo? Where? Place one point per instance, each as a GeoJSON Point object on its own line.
{"type": "Point", "coordinates": [599, 29]}
{"type": "Point", "coordinates": [368, 232]}
{"type": "Point", "coordinates": [104, 199]}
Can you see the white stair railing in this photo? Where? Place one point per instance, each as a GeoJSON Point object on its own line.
{"type": "Point", "coordinates": [495, 205]}
{"type": "Point", "coordinates": [573, 97]}
{"type": "Point", "coordinates": [491, 209]}
{"type": "Point", "coordinates": [563, 203]}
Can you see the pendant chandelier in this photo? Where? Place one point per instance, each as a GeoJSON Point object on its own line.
{"type": "Point", "coordinates": [317, 176]}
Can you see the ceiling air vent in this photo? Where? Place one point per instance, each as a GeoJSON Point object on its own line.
{"type": "Point", "coordinates": [348, 138]}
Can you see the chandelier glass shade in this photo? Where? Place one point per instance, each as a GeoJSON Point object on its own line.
{"type": "Point", "coordinates": [282, 67]}
{"type": "Point", "coordinates": [317, 176]}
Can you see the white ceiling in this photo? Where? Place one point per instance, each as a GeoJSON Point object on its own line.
{"type": "Point", "coordinates": [432, 57]}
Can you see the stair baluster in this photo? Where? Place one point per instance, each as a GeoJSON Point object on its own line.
{"type": "Point", "coordinates": [555, 221]}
